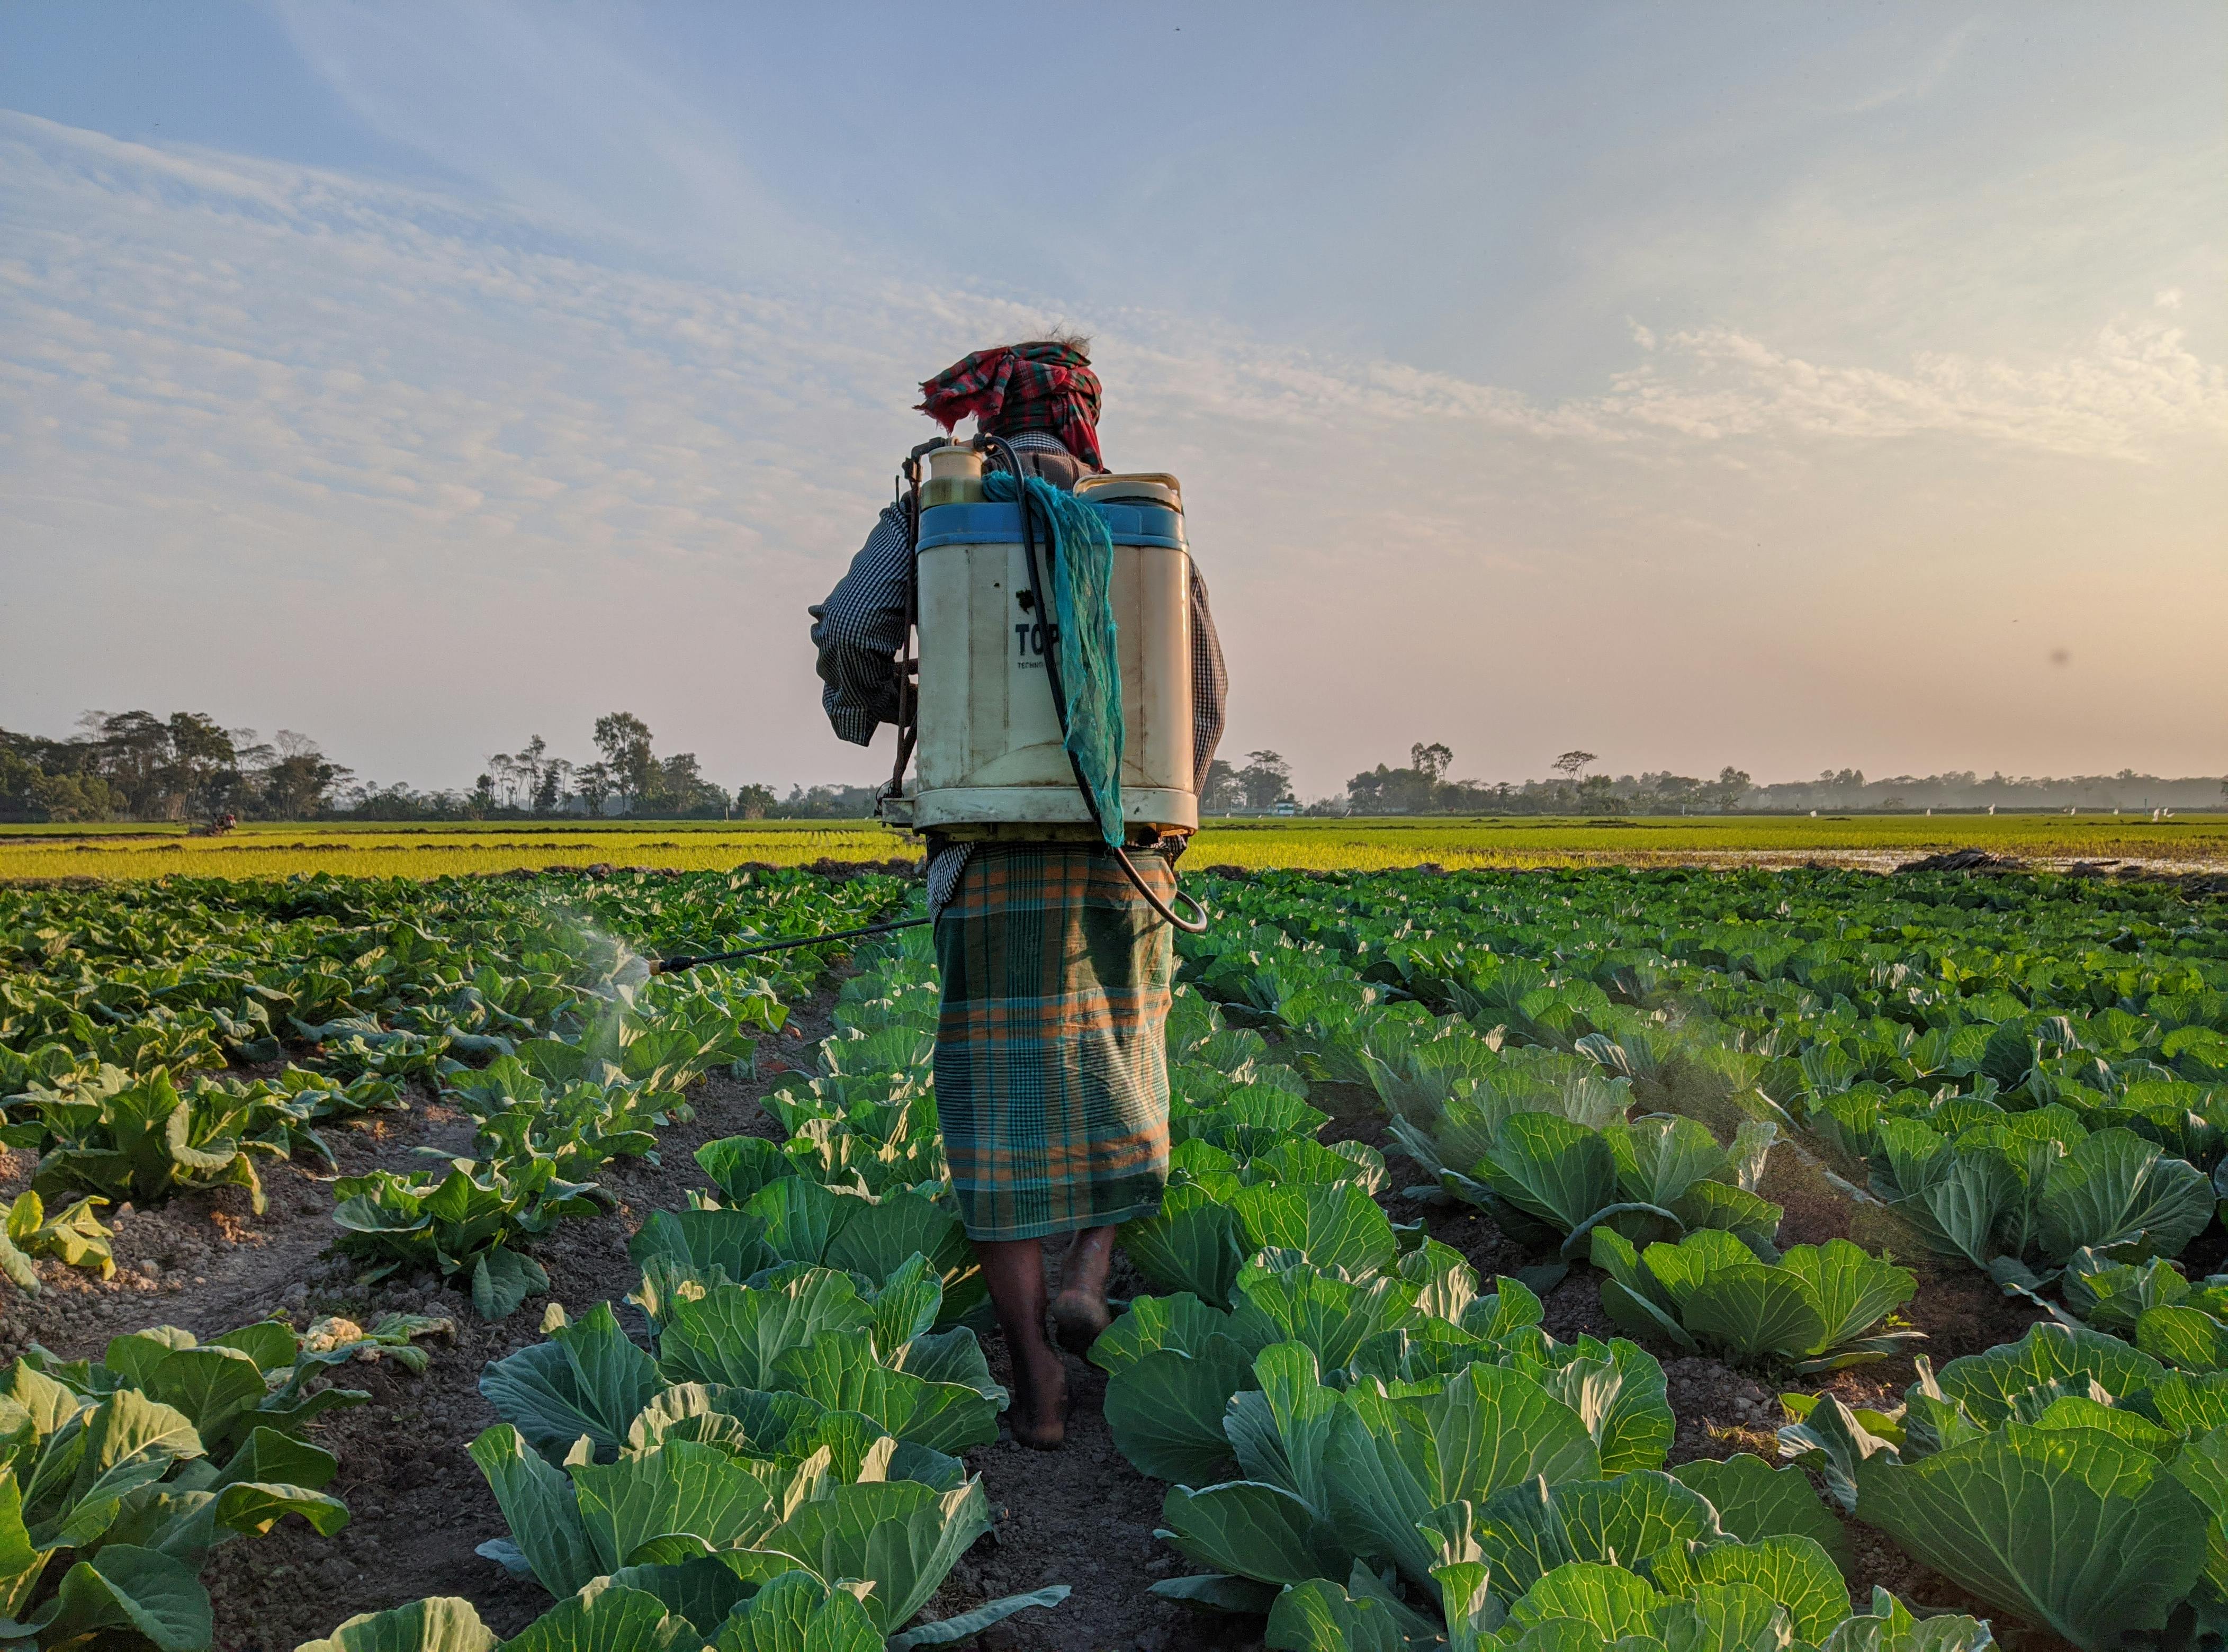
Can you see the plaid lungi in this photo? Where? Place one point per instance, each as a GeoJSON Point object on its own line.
{"type": "Point", "coordinates": [1051, 1078]}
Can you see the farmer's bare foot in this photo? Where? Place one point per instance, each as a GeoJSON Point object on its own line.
{"type": "Point", "coordinates": [1080, 1311]}
{"type": "Point", "coordinates": [1078, 1318]}
{"type": "Point", "coordinates": [1013, 1271]}
{"type": "Point", "coordinates": [1039, 1414]}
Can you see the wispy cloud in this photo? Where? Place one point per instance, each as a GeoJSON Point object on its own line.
{"type": "Point", "coordinates": [2136, 390]}
{"type": "Point", "coordinates": [545, 108]}
{"type": "Point", "coordinates": [1924, 77]}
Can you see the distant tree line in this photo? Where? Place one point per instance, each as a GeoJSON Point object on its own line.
{"type": "Point", "coordinates": [135, 766]}
{"type": "Point", "coordinates": [1422, 787]}
{"type": "Point", "coordinates": [628, 779]}
{"type": "Point", "coordinates": [1841, 789]}
{"type": "Point", "coordinates": [821, 803]}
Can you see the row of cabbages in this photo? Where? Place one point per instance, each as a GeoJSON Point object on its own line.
{"type": "Point", "coordinates": [1417, 1462]}
{"type": "Point", "coordinates": [121, 1008]}
{"type": "Point", "coordinates": [773, 1465]}
{"type": "Point", "coordinates": [1510, 1024]}
{"type": "Point", "coordinates": [550, 1110]}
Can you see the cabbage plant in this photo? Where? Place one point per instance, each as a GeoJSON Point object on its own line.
{"type": "Point", "coordinates": [2153, 1304]}
{"type": "Point", "coordinates": [132, 1469]}
{"type": "Point", "coordinates": [1418, 1076]}
{"type": "Point", "coordinates": [1739, 1596]}
{"type": "Point", "coordinates": [673, 1608]}
{"type": "Point", "coordinates": [258, 1376]}
{"type": "Point", "coordinates": [2069, 1479]}
{"type": "Point", "coordinates": [1550, 1178]}
{"type": "Point", "coordinates": [1354, 1409]}
{"type": "Point", "coordinates": [873, 1134]}
{"type": "Point", "coordinates": [808, 1334]}
{"type": "Point", "coordinates": [2185, 1118]}
{"type": "Point", "coordinates": [791, 1423]}
{"type": "Point", "coordinates": [1245, 1172]}
{"type": "Point", "coordinates": [2115, 1296]}
{"type": "Point", "coordinates": [1818, 1307]}
{"type": "Point", "coordinates": [1487, 1496]}
{"type": "Point", "coordinates": [73, 1236]}
{"type": "Point", "coordinates": [118, 1138]}
{"type": "Point", "coordinates": [470, 1226]}
{"type": "Point", "coordinates": [2038, 1183]}
{"type": "Point", "coordinates": [1175, 1363]}
{"type": "Point", "coordinates": [793, 1219]}
{"type": "Point", "coordinates": [1334, 1478]}
{"type": "Point", "coordinates": [580, 1122]}
{"type": "Point", "coordinates": [699, 1486]}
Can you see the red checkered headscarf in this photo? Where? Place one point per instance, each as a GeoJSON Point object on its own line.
{"type": "Point", "coordinates": [1023, 387]}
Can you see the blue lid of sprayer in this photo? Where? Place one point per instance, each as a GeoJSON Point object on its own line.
{"type": "Point", "coordinates": [1000, 524]}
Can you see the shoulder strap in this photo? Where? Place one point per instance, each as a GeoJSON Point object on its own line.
{"type": "Point", "coordinates": [1063, 470]}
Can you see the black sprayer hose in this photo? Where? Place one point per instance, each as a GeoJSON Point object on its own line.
{"type": "Point", "coordinates": [684, 961]}
{"type": "Point", "coordinates": [1045, 618]}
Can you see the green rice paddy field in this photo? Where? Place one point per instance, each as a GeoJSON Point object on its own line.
{"type": "Point", "coordinates": [261, 851]}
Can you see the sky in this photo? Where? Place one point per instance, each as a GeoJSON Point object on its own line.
{"type": "Point", "coordinates": [1792, 387]}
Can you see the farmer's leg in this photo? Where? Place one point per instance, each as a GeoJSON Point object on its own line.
{"type": "Point", "coordinates": [1013, 1271]}
{"type": "Point", "coordinates": [1080, 1312]}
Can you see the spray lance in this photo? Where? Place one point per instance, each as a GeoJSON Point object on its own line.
{"type": "Point", "coordinates": [684, 961]}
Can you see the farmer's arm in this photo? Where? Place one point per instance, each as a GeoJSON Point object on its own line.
{"type": "Point", "coordinates": [859, 630]}
{"type": "Point", "coordinates": [1210, 685]}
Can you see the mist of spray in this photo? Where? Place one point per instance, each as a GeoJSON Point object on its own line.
{"type": "Point", "coordinates": [619, 972]}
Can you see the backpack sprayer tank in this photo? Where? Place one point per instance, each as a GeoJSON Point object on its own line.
{"type": "Point", "coordinates": [990, 758]}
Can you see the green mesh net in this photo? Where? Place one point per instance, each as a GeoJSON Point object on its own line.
{"type": "Point", "coordinates": [1079, 565]}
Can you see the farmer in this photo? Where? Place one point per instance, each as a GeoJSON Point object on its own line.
{"type": "Point", "coordinates": [1051, 1068]}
